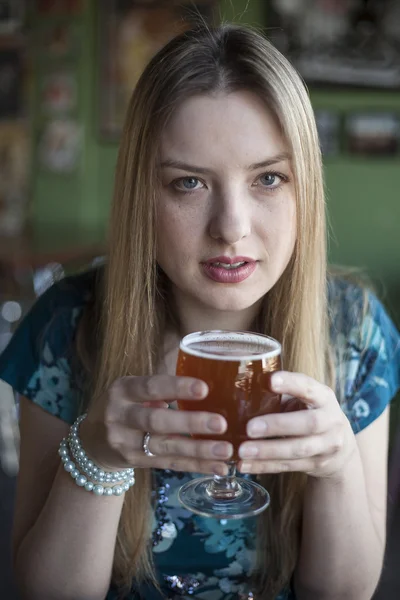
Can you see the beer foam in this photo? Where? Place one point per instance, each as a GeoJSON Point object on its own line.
{"type": "Point", "coordinates": [230, 345]}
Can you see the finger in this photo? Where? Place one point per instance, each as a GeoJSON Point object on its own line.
{"type": "Point", "coordinates": [161, 387]}
{"type": "Point", "coordinates": [177, 463]}
{"type": "Point", "coordinates": [170, 445]}
{"type": "Point", "coordinates": [297, 423]}
{"type": "Point", "coordinates": [259, 467]}
{"type": "Point", "coordinates": [167, 421]}
{"type": "Point", "coordinates": [130, 453]}
{"type": "Point", "coordinates": [311, 392]}
{"type": "Point", "coordinates": [286, 449]}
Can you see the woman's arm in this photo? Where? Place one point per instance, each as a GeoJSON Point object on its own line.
{"type": "Point", "coordinates": [344, 524]}
{"type": "Point", "coordinates": [343, 535]}
{"type": "Point", "coordinates": [64, 537]}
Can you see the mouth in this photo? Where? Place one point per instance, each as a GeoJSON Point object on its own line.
{"type": "Point", "coordinates": [224, 269]}
{"type": "Point", "coordinates": [227, 266]}
{"type": "Point", "coordinates": [229, 263]}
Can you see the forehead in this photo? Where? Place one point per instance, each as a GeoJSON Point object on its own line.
{"type": "Point", "coordinates": [225, 127]}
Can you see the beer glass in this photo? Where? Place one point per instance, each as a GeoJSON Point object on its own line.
{"type": "Point", "coordinates": [237, 366]}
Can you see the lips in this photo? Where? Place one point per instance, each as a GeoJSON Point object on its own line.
{"type": "Point", "coordinates": [226, 269]}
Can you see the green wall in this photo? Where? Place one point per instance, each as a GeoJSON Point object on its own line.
{"type": "Point", "coordinates": [363, 198]}
{"type": "Point", "coordinates": [63, 199]}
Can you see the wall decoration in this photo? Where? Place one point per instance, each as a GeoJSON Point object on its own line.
{"type": "Point", "coordinates": [56, 7]}
{"type": "Point", "coordinates": [11, 83]}
{"type": "Point", "coordinates": [339, 42]}
{"type": "Point", "coordinates": [130, 33]}
{"type": "Point", "coordinates": [12, 14]}
{"type": "Point", "coordinates": [59, 92]}
{"type": "Point", "coordinates": [60, 146]}
{"type": "Point", "coordinates": [58, 41]}
{"type": "Point", "coordinates": [373, 133]}
{"type": "Point", "coordinates": [14, 168]}
{"type": "Point", "coordinates": [328, 125]}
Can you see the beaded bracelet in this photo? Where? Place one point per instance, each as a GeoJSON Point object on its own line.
{"type": "Point", "coordinates": [125, 478]}
{"type": "Point", "coordinates": [87, 466]}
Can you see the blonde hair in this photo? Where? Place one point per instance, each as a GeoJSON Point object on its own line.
{"type": "Point", "coordinates": [224, 59]}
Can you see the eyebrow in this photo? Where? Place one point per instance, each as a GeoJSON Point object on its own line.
{"type": "Point", "coordinates": [177, 164]}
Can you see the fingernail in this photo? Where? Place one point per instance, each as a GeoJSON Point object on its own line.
{"type": "Point", "coordinates": [215, 424]}
{"type": "Point", "coordinates": [248, 451]}
{"type": "Point", "coordinates": [198, 389]}
{"type": "Point", "coordinates": [222, 450]}
{"type": "Point", "coordinates": [257, 429]}
{"type": "Point", "coordinates": [220, 470]}
{"type": "Point", "coordinates": [276, 381]}
{"type": "Point", "coordinates": [245, 467]}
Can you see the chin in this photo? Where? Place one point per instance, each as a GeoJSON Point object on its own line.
{"type": "Point", "coordinates": [231, 302]}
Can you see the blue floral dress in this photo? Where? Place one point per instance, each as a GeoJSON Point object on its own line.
{"type": "Point", "coordinates": [196, 556]}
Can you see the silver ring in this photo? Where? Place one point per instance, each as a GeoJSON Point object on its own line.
{"type": "Point", "coordinates": [146, 450]}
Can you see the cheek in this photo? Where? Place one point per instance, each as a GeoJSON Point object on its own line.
{"type": "Point", "coordinates": [287, 230]}
{"type": "Point", "coordinates": [175, 232]}
{"type": "Point", "coordinates": [280, 226]}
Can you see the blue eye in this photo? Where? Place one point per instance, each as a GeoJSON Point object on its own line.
{"type": "Point", "coordinates": [270, 179]}
{"type": "Point", "coordinates": [271, 182]}
{"type": "Point", "coordinates": [187, 184]}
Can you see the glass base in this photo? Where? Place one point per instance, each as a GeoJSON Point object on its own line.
{"type": "Point", "coordinates": [250, 500]}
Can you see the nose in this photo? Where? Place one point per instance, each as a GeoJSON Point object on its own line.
{"type": "Point", "coordinates": [231, 217]}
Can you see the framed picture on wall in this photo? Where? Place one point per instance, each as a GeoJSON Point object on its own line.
{"type": "Point", "coordinates": [57, 7]}
{"type": "Point", "coordinates": [374, 133]}
{"type": "Point", "coordinates": [58, 41]}
{"type": "Point", "coordinates": [339, 42]}
{"type": "Point", "coordinates": [11, 83]}
{"type": "Point", "coordinates": [59, 92]}
{"type": "Point", "coordinates": [14, 180]}
{"type": "Point", "coordinates": [12, 13]}
{"type": "Point", "coordinates": [129, 34]}
{"type": "Point", "coordinates": [60, 146]}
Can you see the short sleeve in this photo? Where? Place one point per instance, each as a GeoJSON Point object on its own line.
{"type": "Point", "coordinates": [369, 367]}
{"type": "Point", "coordinates": [39, 360]}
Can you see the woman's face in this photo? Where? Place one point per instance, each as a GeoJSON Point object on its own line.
{"type": "Point", "coordinates": [226, 221]}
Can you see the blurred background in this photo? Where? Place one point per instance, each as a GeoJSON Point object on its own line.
{"type": "Point", "coordinates": [67, 69]}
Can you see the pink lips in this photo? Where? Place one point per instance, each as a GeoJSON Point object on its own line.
{"type": "Point", "coordinates": [236, 275]}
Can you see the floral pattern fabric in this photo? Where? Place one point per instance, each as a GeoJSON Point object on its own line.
{"type": "Point", "coordinates": [195, 556]}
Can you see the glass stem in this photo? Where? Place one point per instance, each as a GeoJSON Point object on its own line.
{"type": "Point", "coordinates": [225, 487]}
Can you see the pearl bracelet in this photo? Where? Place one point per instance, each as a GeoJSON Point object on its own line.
{"type": "Point", "coordinates": [125, 478]}
{"type": "Point", "coordinates": [93, 472]}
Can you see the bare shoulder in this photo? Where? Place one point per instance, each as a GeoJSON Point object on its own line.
{"type": "Point", "coordinates": [41, 434]}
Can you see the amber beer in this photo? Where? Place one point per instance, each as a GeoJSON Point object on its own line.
{"type": "Point", "coordinates": [237, 368]}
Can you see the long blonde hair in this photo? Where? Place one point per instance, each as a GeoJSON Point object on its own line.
{"type": "Point", "coordinates": [224, 59]}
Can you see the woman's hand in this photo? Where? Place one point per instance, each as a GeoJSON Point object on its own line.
{"type": "Point", "coordinates": [113, 432]}
{"type": "Point", "coordinates": [317, 440]}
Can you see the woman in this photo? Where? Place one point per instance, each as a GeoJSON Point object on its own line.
{"type": "Point", "coordinates": [219, 168]}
